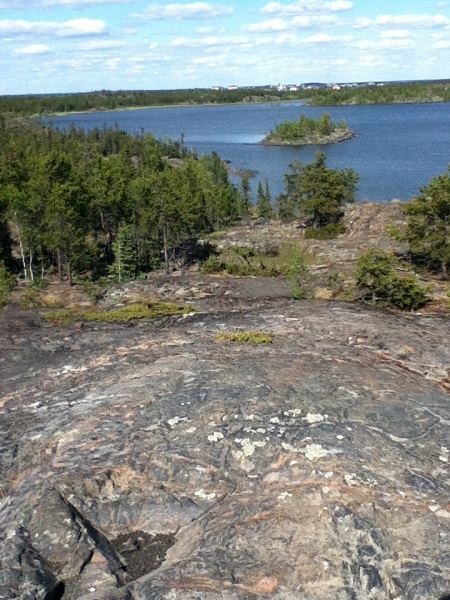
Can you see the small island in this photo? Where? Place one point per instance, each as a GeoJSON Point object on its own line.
{"type": "Point", "coordinates": [309, 131]}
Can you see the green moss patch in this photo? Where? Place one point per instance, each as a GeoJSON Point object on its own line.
{"type": "Point", "coordinates": [150, 310]}
{"type": "Point", "coordinates": [244, 337]}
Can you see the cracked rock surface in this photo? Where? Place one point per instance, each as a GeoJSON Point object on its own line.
{"type": "Point", "coordinates": [152, 461]}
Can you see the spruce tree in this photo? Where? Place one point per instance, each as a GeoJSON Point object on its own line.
{"type": "Point", "coordinates": [263, 205]}
{"type": "Point", "coordinates": [428, 228]}
{"type": "Point", "coordinates": [125, 257]}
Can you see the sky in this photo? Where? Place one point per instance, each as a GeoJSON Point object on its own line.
{"type": "Point", "coordinates": [62, 46]}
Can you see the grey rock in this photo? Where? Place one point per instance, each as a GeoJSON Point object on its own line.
{"type": "Point", "coordinates": [156, 462]}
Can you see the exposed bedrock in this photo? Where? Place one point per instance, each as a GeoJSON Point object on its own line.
{"type": "Point", "coordinates": [156, 462]}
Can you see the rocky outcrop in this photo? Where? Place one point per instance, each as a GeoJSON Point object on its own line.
{"type": "Point", "coordinates": [336, 136]}
{"type": "Point", "coordinates": [152, 461]}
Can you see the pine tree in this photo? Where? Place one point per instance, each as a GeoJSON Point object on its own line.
{"type": "Point", "coordinates": [428, 228]}
{"type": "Point", "coordinates": [125, 257]}
{"type": "Point", "coordinates": [317, 192]}
{"type": "Point", "coordinates": [263, 205]}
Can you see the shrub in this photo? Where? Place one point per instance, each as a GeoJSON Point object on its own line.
{"type": "Point", "coordinates": [299, 275]}
{"type": "Point", "coordinates": [212, 265]}
{"type": "Point", "coordinates": [327, 232]}
{"type": "Point", "coordinates": [7, 282]}
{"type": "Point", "coordinates": [377, 280]}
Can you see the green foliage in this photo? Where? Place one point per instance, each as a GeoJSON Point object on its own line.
{"type": "Point", "coordinates": [264, 208]}
{"type": "Point", "coordinates": [335, 282]}
{"type": "Point", "coordinates": [7, 283]}
{"type": "Point", "coordinates": [327, 232]}
{"type": "Point", "coordinates": [317, 193]}
{"type": "Point", "coordinates": [150, 310]}
{"type": "Point", "coordinates": [124, 266]}
{"type": "Point", "coordinates": [30, 299]}
{"type": "Point", "coordinates": [269, 262]}
{"type": "Point", "coordinates": [244, 337]}
{"type": "Point", "coordinates": [299, 275]}
{"type": "Point", "coordinates": [115, 100]}
{"type": "Point", "coordinates": [391, 93]}
{"type": "Point", "coordinates": [377, 281]}
{"type": "Point", "coordinates": [105, 201]}
{"type": "Point", "coordinates": [428, 227]}
{"type": "Point", "coordinates": [305, 130]}
{"type": "Point", "coordinates": [213, 265]}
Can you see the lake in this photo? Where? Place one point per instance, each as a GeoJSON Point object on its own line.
{"type": "Point", "coordinates": [398, 148]}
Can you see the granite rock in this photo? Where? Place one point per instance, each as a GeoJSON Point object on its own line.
{"type": "Point", "coordinates": [152, 461]}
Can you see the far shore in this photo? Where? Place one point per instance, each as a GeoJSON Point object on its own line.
{"type": "Point", "coordinates": [182, 105]}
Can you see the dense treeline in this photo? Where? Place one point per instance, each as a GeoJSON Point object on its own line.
{"type": "Point", "coordinates": [106, 100]}
{"type": "Point", "coordinates": [438, 91]}
{"type": "Point", "coordinates": [104, 202]}
{"type": "Point", "coordinates": [382, 94]}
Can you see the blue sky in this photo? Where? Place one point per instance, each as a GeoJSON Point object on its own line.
{"type": "Point", "coordinates": [49, 46]}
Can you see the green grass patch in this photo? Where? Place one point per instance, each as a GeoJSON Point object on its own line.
{"type": "Point", "coordinates": [244, 337]}
{"type": "Point", "coordinates": [150, 310]}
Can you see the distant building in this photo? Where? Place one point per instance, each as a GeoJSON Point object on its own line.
{"type": "Point", "coordinates": [233, 87]}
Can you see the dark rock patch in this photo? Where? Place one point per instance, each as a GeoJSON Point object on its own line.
{"type": "Point", "coordinates": [142, 552]}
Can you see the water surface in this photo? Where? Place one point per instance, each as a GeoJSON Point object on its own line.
{"type": "Point", "coordinates": [398, 148]}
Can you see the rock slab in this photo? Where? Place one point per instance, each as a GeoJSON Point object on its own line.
{"type": "Point", "coordinates": [153, 461]}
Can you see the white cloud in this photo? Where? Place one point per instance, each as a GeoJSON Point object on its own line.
{"type": "Point", "coordinates": [286, 38]}
{"type": "Point", "coordinates": [306, 6]}
{"type": "Point", "coordinates": [395, 43]}
{"type": "Point", "coordinates": [414, 20]}
{"type": "Point", "coordinates": [34, 49]}
{"type": "Point", "coordinates": [194, 11]}
{"type": "Point", "coordinates": [314, 21]}
{"type": "Point", "coordinates": [93, 45]}
{"type": "Point", "coordinates": [395, 34]}
{"type": "Point", "coordinates": [441, 45]}
{"type": "Point", "coordinates": [304, 21]}
{"type": "Point", "coordinates": [339, 5]}
{"type": "Point", "coordinates": [209, 41]}
{"type": "Point", "coordinates": [27, 4]}
{"type": "Point", "coordinates": [388, 40]}
{"type": "Point", "coordinates": [81, 27]}
{"type": "Point", "coordinates": [320, 38]}
{"type": "Point", "coordinates": [266, 26]}
{"type": "Point", "coordinates": [75, 27]}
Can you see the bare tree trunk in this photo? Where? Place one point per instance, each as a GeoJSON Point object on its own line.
{"type": "Point", "coordinates": [22, 252]}
{"type": "Point", "coordinates": [166, 252]}
{"type": "Point", "coordinates": [31, 266]}
{"type": "Point", "coordinates": [58, 254]}
{"type": "Point", "coordinates": [69, 274]}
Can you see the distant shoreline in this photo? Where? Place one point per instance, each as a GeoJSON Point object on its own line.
{"type": "Point", "coordinates": [183, 105]}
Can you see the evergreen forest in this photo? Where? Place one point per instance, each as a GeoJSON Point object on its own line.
{"type": "Point", "coordinates": [371, 93]}
{"type": "Point", "coordinates": [104, 203]}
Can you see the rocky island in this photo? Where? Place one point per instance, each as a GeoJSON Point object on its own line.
{"type": "Point", "coordinates": [173, 458]}
{"type": "Point", "coordinates": [308, 131]}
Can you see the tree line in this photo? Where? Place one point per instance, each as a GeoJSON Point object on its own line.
{"type": "Point", "coordinates": [76, 201]}
{"type": "Point", "coordinates": [105, 203]}
{"type": "Point", "coordinates": [389, 93]}
{"type": "Point", "coordinates": [116, 100]}
{"type": "Point", "coordinates": [45, 104]}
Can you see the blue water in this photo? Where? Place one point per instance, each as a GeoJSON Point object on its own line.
{"type": "Point", "coordinates": [396, 151]}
